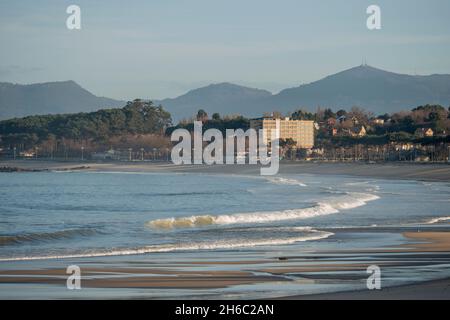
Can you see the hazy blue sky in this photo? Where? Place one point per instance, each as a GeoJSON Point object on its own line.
{"type": "Point", "coordinates": [159, 49]}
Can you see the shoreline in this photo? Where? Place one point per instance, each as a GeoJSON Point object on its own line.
{"type": "Point", "coordinates": [124, 275]}
{"type": "Point", "coordinates": [432, 172]}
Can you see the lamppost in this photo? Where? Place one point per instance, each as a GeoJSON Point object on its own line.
{"type": "Point", "coordinates": [14, 153]}
{"type": "Point", "coordinates": [142, 154]}
{"type": "Point", "coordinates": [129, 154]}
{"type": "Point", "coordinates": [82, 153]}
{"type": "Point", "coordinates": [154, 154]}
{"type": "Point", "coordinates": [448, 155]}
{"type": "Point", "coordinates": [36, 152]}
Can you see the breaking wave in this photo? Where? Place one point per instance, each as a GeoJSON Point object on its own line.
{"type": "Point", "coordinates": [308, 234]}
{"type": "Point", "coordinates": [437, 220]}
{"type": "Point", "coordinates": [330, 206]}
{"type": "Point", "coordinates": [285, 181]}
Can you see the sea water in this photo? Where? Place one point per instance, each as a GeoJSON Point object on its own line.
{"type": "Point", "coordinates": [78, 214]}
{"type": "Point", "coordinates": [120, 219]}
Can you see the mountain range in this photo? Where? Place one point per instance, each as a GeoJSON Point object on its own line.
{"type": "Point", "coordinates": [373, 89]}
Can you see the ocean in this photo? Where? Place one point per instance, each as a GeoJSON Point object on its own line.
{"type": "Point", "coordinates": [53, 216]}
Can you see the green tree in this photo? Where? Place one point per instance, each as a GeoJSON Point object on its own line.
{"type": "Point", "coordinates": [302, 115]}
{"type": "Point", "coordinates": [137, 117]}
{"type": "Point", "coordinates": [341, 113]}
{"type": "Point", "coordinates": [328, 113]}
{"type": "Point", "coordinates": [202, 115]}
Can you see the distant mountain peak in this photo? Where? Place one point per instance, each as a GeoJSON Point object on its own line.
{"type": "Point", "coordinates": [372, 88]}
{"type": "Point", "coordinates": [377, 90]}
{"type": "Point", "coordinates": [49, 83]}
{"type": "Point", "coordinates": [361, 71]}
{"type": "Point", "coordinates": [18, 100]}
{"type": "Point", "coordinates": [222, 90]}
{"type": "Point", "coordinates": [230, 87]}
{"type": "Point", "coordinates": [223, 84]}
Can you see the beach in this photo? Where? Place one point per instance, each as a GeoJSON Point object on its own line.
{"type": "Point", "coordinates": [139, 273]}
{"type": "Point", "coordinates": [392, 170]}
{"type": "Point", "coordinates": [326, 262]}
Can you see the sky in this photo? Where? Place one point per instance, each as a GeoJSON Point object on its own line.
{"type": "Point", "coordinates": [163, 48]}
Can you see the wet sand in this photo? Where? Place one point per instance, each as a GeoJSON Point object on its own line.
{"type": "Point", "coordinates": [429, 290]}
{"type": "Point", "coordinates": [425, 242]}
{"type": "Point", "coordinates": [140, 279]}
{"type": "Point", "coordinates": [421, 249]}
{"type": "Point", "coordinates": [430, 241]}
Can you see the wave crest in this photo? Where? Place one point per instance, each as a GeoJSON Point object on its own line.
{"type": "Point", "coordinates": [331, 206]}
{"type": "Point", "coordinates": [437, 220]}
{"type": "Point", "coordinates": [286, 181]}
{"type": "Point", "coordinates": [308, 234]}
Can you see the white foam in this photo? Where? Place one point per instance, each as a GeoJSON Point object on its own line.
{"type": "Point", "coordinates": [437, 220]}
{"type": "Point", "coordinates": [352, 200]}
{"type": "Point", "coordinates": [330, 206]}
{"type": "Point", "coordinates": [315, 235]}
{"type": "Point", "coordinates": [285, 181]}
{"type": "Point", "coordinates": [357, 183]}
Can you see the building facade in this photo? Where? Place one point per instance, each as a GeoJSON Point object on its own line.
{"type": "Point", "coordinates": [301, 131]}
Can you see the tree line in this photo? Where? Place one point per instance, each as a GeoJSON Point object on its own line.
{"type": "Point", "coordinates": [141, 123]}
{"type": "Point", "coordinates": [138, 117]}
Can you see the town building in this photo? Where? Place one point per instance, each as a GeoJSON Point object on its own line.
{"type": "Point", "coordinates": [378, 121]}
{"type": "Point", "coordinates": [424, 132]}
{"type": "Point", "coordinates": [301, 131]}
{"type": "Point", "coordinates": [358, 131]}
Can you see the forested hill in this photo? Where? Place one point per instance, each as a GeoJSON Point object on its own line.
{"type": "Point", "coordinates": [137, 117]}
{"type": "Point", "coordinates": [17, 100]}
